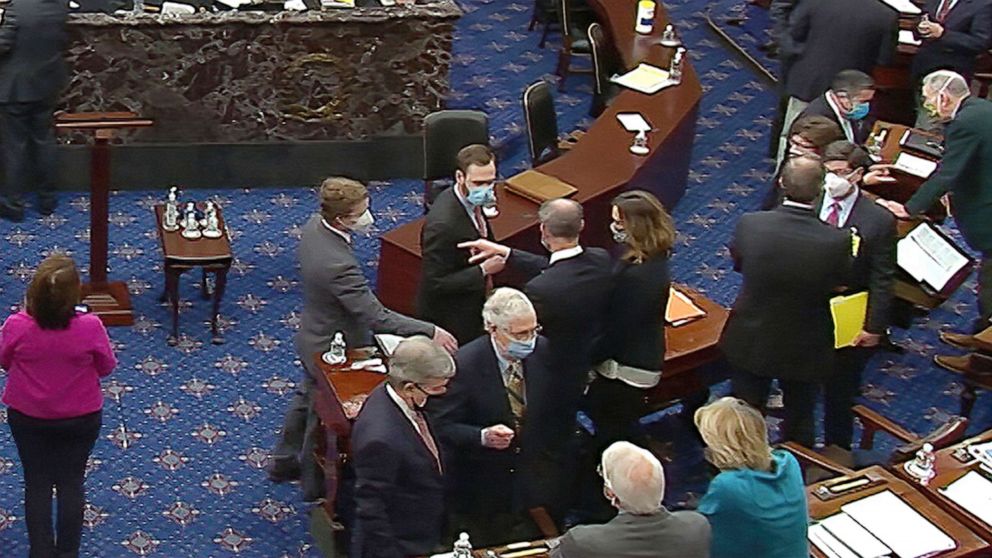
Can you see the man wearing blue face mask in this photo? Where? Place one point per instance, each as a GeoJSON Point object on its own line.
{"type": "Point", "coordinates": [452, 289]}
{"type": "Point", "coordinates": [490, 422]}
{"type": "Point", "coordinates": [847, 103]}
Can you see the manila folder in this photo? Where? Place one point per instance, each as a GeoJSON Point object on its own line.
{"type": "Point", "coordinates": [539, 187]}
{"type": "Point", "coordinates": [849, 317]}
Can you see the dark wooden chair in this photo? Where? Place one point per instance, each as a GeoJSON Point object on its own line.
{"type": "Point", "coordinates": [605, 63]}
{"type": "Point", "coordinates": [445, 133]}
{"type": "Point", "coordinates": [574, 40]}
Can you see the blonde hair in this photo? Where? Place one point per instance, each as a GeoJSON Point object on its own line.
{"type": "Point", "coordinates": [340, 196]}
{"type": "Point", "coordinates": [735, 434]}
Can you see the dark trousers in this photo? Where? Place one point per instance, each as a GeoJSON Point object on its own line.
{"type": "Point", "coordinates": [984, 292]}
{"type": "Point", "coordinates": [798, 398]}
{"type": "Point", "coordinates": [29, 154]}
{"type": "Point", "coordinates": [53, 454]}
{"type": "Point", "coordinates": [839, 393]}
{"type": "Point", "coordinates": [614, 407]}
{"type": "Point", "coordinates": [296, 444]}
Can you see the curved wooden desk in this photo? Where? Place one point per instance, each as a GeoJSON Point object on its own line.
{"type": "Point", "coordinates": [599, 166]}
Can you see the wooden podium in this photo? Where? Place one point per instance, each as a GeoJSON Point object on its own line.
{"type": "Point", "coordinates": [107, 299]}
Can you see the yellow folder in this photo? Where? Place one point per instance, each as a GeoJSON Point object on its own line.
{"type": "Point", "coordinates": [849, 317]}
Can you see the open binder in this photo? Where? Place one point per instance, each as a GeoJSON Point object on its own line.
{"type": "Point", "coordinates": [933, 260]}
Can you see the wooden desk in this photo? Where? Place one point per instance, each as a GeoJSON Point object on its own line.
{"type": "Point", "coordinates": [212, 255]}
{"type": "Point", "coordinates": [599, 166]}
{"type": "Point", "coordinates": [969, 544]}
{"type": "Point", "coordinates": [906, 184]}
{"type": "Point", "coordinates": [950, 469]}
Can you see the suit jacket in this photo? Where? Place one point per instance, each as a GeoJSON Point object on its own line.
{"type": "Point", "coordinates": [780, 325]}
{"type": "Point", "coordinates": [967, 33]}
{"type": "Point", "coordinates": [336, 297]}
{"type": "Point", "coordinates": [828, 37]}
{"type": "Point", "coordinates": [32, 42]}
{"type": "Point", "coordinates": [681, 534]}
{"type": "Point", "coordinates": [635, 330]}
{"type": "Point", "coordinates": [399, 492]}
{"type": "Point", "coordinates": [820, 107]}
{"type": "Point", "coordinates": [874, 268]}
{"type": "Point", "coordinates": [452, 291]}
{"type": "Point", "coordinates": [483, 480]}
{"type": "Point", "coordinates": [965, 172]}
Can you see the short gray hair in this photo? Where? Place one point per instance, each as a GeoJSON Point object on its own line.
{"type": "Point", "coordinates": [561, 217]}
{"type": "Point", "coordinates": [950, 82]}
{"type": "Point", "coordinates": [635, 476]}
{"type": "Point", "coordinates": [417, 359]}
{"type": "Point", "coordinates": [504, 305]}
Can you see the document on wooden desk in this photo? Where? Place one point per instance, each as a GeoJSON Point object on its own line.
{"type": "Point", "coordinates": [916, 166]}
{"type": "Point", "coordinates": [973, 492]}
{"type": "Point", "coordinates": [829, 544]}
{"type": "Point", "coordinates": [928, 257]}
{"type": "Point", "coordinates": [645, 78]}
{"type": "Point", "coordinates": [854, 536]}
{"type": "Point", "coordinates": [681, 309]}
{"type": "Point", "coordinates": [898, 526]}
{"type": "Point", "coordinates": [539, 187]}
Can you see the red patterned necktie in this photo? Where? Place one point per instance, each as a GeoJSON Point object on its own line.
{"type": "Point", "coordinates": [944, 10]}
{"type": "Point", "coordinates": [833, 218]}
{"type": "Point", "coordinates": [425, 435]}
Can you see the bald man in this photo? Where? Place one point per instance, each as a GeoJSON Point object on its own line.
{"type": "Point", "coordinates": [634, 483]}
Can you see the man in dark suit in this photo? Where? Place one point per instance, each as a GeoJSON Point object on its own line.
{"type": "Point", "coordinates": [490, 422]}
{"type": "Point", "coordinates": [965, 173]}
{"type": "Point", "coordinates": [336, 298]}
{"type": "Point", "coordinates": [399, 470]}
{"type": "Point", "coordinates": [827, 37]}
{"type": "Point", "coordinates": [634, 482]}
{"type": "Point", "coordinates": [452, 289]}
{"type": "Point", "coordinates": [873, 271]}
{"type": "Point", "coordinates": [848, 103]}
{"type": "Point", "coordinates": [780, 325]}
{"type": "Point", "coordinates": [32, 74]}
{"type": "Point", "coordinates": [953, 34]}
{"type": "Point", "coordinates": [570, 291]}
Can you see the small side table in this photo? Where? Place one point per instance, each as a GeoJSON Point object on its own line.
{"type": "Point", "coordinates": [213, 255]}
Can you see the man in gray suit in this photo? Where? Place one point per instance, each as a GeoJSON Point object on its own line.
{"type": "Point", "coordinates": [336, 298]}
{"type": "Point", "coordinates": [634, 482]}
{"type": "Point", "coordinates": [32, 74]}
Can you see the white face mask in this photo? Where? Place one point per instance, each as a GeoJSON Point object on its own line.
{"type": "Point", "coordinates": [836, 186]}
{"type": "Point", "coordinates": [363, 223]}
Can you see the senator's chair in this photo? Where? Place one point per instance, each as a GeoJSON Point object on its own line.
{"type": "Point", "coordinates": [605, 64]}
{"type": "Point", "coordinates": [445, 133]}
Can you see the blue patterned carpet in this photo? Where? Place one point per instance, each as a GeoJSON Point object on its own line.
{"type": "Point", "coordinates": [178, 471]}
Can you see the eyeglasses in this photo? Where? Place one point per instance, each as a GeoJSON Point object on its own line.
{"type": "Point", "coordinates": [431, 390]}
{"type": "Point", "coordinates": [523, 335]}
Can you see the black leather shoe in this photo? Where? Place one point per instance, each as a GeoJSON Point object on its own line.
{"type": "Point", "coordinates": [11, 212]}
{"type": "Point", "coordinates": [47, 205]}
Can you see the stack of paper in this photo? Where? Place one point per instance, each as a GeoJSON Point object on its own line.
{"type": "Point", "coordinates": [633, 122]}
{"type": "Point", "coordinates": [644, 78]}
{"type": "Point", "coordinates": [898, 526]}
{"type": "Point", "coordinates": [906, 37]}
{"type": "Point", "coordinates": [849, 317]}
{"type": "Point", "coordinates": [904, 7]}
{"type": "Point", "coordinates": [928, 257]}
{"type": "Point", "coordinates": [973, 492]}
{"type": "Point", "coordinates": [916, 166]}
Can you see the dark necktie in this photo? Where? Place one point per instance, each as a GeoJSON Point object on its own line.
{"type": "Point", "coordinates": [833, 218]}
{"type": "Point", "coordinates": [515, 390]}
{"type": "Point", "coordinates": [945, 9]}
{"type": "Point", "coordinates": [480, 225]}
{"type": "Point", "coordinates": [425, 435]}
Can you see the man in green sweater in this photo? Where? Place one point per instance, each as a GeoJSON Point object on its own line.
{"type": "Point", "coordinates": [965, 173]}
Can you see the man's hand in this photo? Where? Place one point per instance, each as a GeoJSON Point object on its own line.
{"type": "Point", "coordinates": [930, 29]}
{"type": "Point", "coordinates": [878, 174]}
{"type": "Point", "coordinates": [445, 340]}
{"type": "Point", "coordinates": [897, 209]}
{"type": "Point", "coordinates": [483, 249]}
{"type": "Point", "coordinates": [865, 339]}
{"type": "Point", "coordinates": [493, 265]}
{"type": "Point", "coordinates": [498, 436]}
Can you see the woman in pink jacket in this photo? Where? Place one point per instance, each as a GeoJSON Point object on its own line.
{"type": "Point", "coordinates": [54, 356]}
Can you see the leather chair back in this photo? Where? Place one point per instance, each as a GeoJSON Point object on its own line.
{"type": "Point", "coordinates": [445, 133]}
{"type": "Point", "coordinates": [542, 122]}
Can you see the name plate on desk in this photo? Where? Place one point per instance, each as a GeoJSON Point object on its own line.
{"type": "Point", "coordinates": [539, 187]}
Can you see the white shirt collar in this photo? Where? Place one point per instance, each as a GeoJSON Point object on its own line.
{"type": "Point", "coordinates": [342, 234]}
{"type": "Point", "coordinates": [409, 413]}
{"type": "Point", "coordinates": [845, 124]}
{"type": "Point", "coordinates": [503, 363]}
{"type": "Point", "coordinates": [797, 205]}
{"type": "Point", "coordinates": [564, 254]}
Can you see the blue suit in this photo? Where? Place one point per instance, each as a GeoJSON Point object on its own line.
{"type": "Point", "coordinates": [399, 492]}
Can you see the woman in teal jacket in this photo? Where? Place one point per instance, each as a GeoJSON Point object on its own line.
{"type": "Point", "coordinates": [757, 504]}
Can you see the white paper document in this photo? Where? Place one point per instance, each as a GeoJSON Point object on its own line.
{"type": "Point", "coordinates": [904, 7]}
{"type": "Point", "coordinates": [928, 257]}
{"type": "Point", "coordinates": [633, 122]}
{"type": "Point", "coordinates": [854, 536]}
{"type": "Point", "coordinates": [644, 78]}
{"type": "Point", "coordinates": [906, 37]}
{"type": "Point", "coordinates": [388, 342]}
{"type": "Point", "coordinates": [827, 543]}
{"type": "Point", "coordinates": [916, 166]}
{"type": "Point", "coordinates": [982, 452]}
{"type": "Point", "coordinates": [898, 526]}
{"type": "Point", "coordinates": [972, 492]}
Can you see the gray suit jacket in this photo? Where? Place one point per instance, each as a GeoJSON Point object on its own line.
{"type": "Point", "coordinates": [32, 42]}
{"type": "Point", "coordinates": [682, 534]}
{"type": "Point", "coordinates": [336, 297]}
